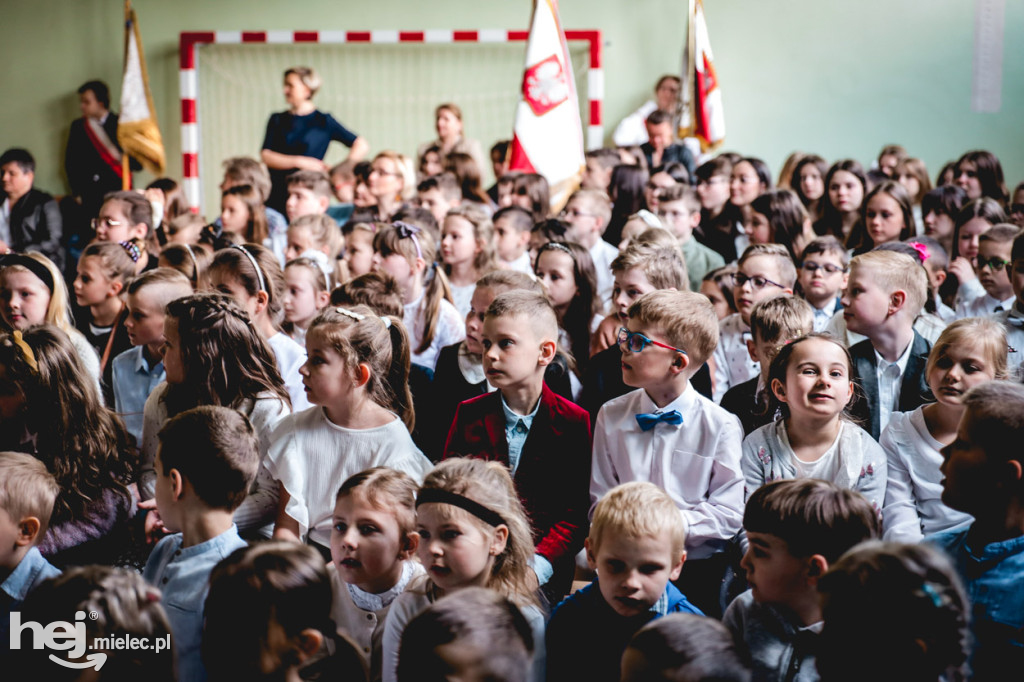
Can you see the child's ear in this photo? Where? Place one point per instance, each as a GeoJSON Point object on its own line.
{"type": "Point", "coordinates": [324, 203]}
{"type": "Point", "coordinates": [896, 301]}
{"type": "Point", "coordinates": [779, 389]}
{"type": "Point", "coordinates": [409, 546]}
{"type": "Point", "coordinates": [308, 643]}
{"type": "Point", "coordinates": [678, 568]}
{"type": "Point", "coordinates": [752, 350]}
{"type": "Point", "coordinates": [680, 363]}
{"type": "Point", "coordinates": [322, 299]}
{"type": "Point", "coordinates": [817, 566]}
{"type": "Point", "coordinates": [262, 299]}
{"type": "Point", "coordinates": [500, 540]}
{"type": "Point", "coordinates": [940, 277]}
{"type": "Point", "coordinates": [177, 483]}
{"type": "Point", "coordinates": [1016, 469]}
{"type": "Point", "coordinates": [116, 286]}
{"type": "Point", "coordinates": [419, 265]}
{"type": "Point", "coordinates": [28, 529]}
{"type": "Point", "coordinates": [695, 219]}
{"type": "Point", "coordinates": [548, 350]}
{"type": "Point", "coordinates": [591, 559]}
{"type": "Point", "coordinates": [138, 231]}
{"type": "Point", "coordinates": [362, 374]}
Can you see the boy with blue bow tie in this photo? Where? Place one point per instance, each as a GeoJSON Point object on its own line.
{"type": "Point", "coordinates": [668, 434]}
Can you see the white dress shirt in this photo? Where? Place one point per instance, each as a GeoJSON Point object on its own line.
{"type": "Point", "coordinates": [822, 316]}
{"type": "Point", "coordinates": [983, 306]}
{"type": "Point", "coordinates": [890, 379]}
{"type": "Point", "coordinates": [733, 365]}
{"type": "Point", "coordinates": [1013, 322]}
{"type": "Point", "coordinates": [603, 253]}
{"type": "Point", "coordinates": [697, 463]}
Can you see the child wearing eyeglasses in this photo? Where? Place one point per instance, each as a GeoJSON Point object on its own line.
{"type": "Point", "coordinates": [765, 271]}
{"type": "Point", "coordinates": [668, 434]}
{"type": "Point", "coordinates": [822, 278]}
{"type": "Point", "coordinates": [992, 268]}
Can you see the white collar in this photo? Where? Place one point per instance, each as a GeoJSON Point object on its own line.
{"type": "Point", "coordinates": [901, 361]}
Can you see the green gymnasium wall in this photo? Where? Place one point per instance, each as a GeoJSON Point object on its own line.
{"type": "Point", "coordinates": [837, 78]}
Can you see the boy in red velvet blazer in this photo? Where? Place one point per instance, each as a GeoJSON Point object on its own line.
{"type": "Point", "coordinates": [543, 438]}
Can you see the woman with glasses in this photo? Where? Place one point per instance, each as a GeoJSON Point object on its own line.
{"type": "Point", "coordinates": [298, 138]}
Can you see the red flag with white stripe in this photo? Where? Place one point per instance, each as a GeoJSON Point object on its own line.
{"type": "Point", "coordinates": [548, 136]}
{"type": "Point", "coordinates": [702, 115]}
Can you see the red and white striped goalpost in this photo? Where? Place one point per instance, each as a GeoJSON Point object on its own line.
{"type": "Point", "coordinates": [189, 82]}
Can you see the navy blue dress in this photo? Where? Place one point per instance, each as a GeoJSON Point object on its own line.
{"type": "Point", "coordinates": [307, 135]}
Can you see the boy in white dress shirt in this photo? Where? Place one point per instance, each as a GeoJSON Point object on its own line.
{"type": "Point", "coordinates": [766, 271]}
{"type": "Point", "coordinates": [993, 270]}
{"type": "Point", "coordinates": [668, 434]}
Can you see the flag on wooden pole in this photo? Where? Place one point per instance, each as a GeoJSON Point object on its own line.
{"type": "Point", "coordinates": [137, 129]}
{"type": "Point", "coordinates": [548, 135]}
{"type": "Point", "coordinates": [701, 116]}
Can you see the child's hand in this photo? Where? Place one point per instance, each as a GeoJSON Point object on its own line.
{"type": "Point", "coordinates": [962, 268]}
{"type": "Point", "coordinates": [153, 528]}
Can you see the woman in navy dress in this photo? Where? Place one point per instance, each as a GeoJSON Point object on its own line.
{"type": "Point", "coordinates": [298, 138]}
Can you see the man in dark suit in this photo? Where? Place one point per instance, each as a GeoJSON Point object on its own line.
{"type": "Point", "coordinates": [29, 219]}
{"type": "Point", "coordinates": [93, 157]}
{"type": "Point", "coordinates": [914, 390]}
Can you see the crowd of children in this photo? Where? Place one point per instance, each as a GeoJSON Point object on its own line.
{"type": "Point", "coordinates": [697, 423]}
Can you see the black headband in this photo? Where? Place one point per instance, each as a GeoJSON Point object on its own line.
{"type": "Point", "coordinates": [30, 264]}
{"type": "Point", "coordinates": [488, 516]}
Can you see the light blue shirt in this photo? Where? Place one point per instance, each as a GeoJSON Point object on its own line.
{"type": "Point", "coordinates": [30, 571]}
{"type": "Point", "coordinates": [134, 380]}
{"type": "Point", "coordinates": [517, 429]}
{"type": "Point", "coordinates": [182, 574]}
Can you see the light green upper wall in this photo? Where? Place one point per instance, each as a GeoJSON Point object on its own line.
{"type": "Point", "coordinates": [837, 78]}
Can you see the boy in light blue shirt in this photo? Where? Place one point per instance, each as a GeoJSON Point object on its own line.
{"type": "Point", "coordinates": [138, 370]}
{"type": "Point", "coordinates": [207, 459]}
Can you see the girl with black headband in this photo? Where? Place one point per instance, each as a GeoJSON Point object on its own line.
{"type": "Point", "coordinates": [32, 291]}
{"type": "Point", "coordinates": [473, 532]}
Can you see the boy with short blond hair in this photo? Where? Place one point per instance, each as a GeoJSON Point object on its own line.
{"type": "Point", "coordinates": [543, 438]}
{"type": "Point", "coordinates": [823, 269]}
{"type": "Point", "coordinates": [309, 193]}
{"type": "Point", "coordinates": [637, 545]}
{"type": "Point", "coordinates": [765, 271]}
{"type": "Point", "coordinates": [439, 194]}
{"type": "Point", "coordinates": [639, 269]}
{"type": "Point", "coordinates": [679, 211]}
{"type": "Point", "coordinates": [587, 212]}
{"type": "Point", "coordinates": [207, 459]}
{"type": "Point", "coordinates": [665, 432]}
{"type": "Point", "coordinates": [138, 370]}
{"type": "Point", "coordinates": [796, 529]}
{"type": "Point", "coordinates": [884, 295]}
{"type": "Point", "coordinates": [27, 494]}
{"type": "Point", "coordinates": [995, 249]}
{"type": "Point", "coordinates": [983, 475]}
{"type": "Point", "coordinates": [773, 323]}
{"type": "Point", "coordinates": [512, 226]}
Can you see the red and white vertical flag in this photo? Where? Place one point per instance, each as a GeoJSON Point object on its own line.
{"type": "Point", "coordinates": [548, 136]}
{"type": "Point", "coordinates": [702, 115]}
{"type": "Point", "coordinates": [137, 129]}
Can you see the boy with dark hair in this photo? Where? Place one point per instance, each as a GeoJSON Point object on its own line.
{"type": "Point", "coordinates": [823, 268]}
{"type": "Point", "coordinates": [795, 528]}
{"type": "Point", "coordinates": [309, 193]}
{"type": "Point", "coordinates": [983, 477]}
{"type": "Point", "coordinates": [207, 459]}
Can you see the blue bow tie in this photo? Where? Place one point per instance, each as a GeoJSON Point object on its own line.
{"type": "Point", "coordinates": [648, 421]}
